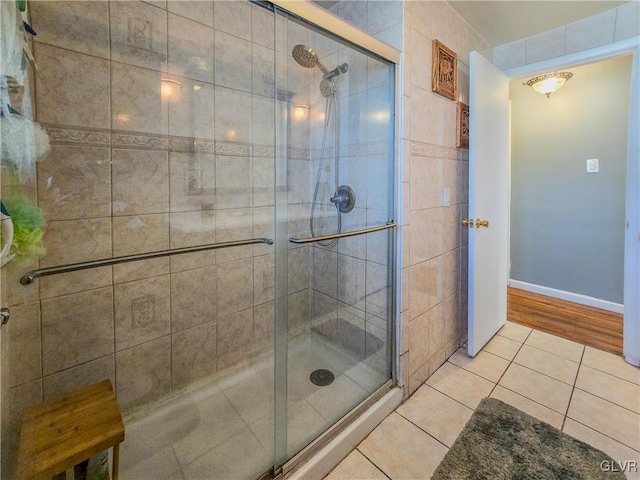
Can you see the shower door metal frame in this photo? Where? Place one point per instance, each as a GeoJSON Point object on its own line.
{"type": "Point", "coordinates": [336, 26]}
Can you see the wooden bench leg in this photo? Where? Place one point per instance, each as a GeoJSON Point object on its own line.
{"type": "Point", "coordinates": [116, 461]}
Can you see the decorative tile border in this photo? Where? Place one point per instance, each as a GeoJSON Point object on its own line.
{"type": "Point", "coordinates": [139, 141]}
{"type": "Point", "coordinates": [353, 150]}
{"type": "Point", "coordinates": [433, 151]}
{"type": "Point", "coordinates": [233, 149]}
{"type": "Point", "coordinates": [356, 150]}
{"type": "Point", "coordinates": [264, 151]}
{"type": "Point", "coordinates": [191, 145]}
{"type": "Point", "coordinates": [299, 153]}
{"type": "Point", "coordinates": [378, 148]}
{"type": "Point", "coordinates": [64, 135]}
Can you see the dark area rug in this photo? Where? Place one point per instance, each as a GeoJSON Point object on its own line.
{"type": "Point", "coordinates": [500, 442]}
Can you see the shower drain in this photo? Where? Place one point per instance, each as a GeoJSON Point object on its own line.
{"type": "Point", "coordinates": [321, 377]}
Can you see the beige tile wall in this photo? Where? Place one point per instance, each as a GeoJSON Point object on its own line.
{"type": "Point", "coordinates": [434, 246]}
{"type": "Point", "coordinates": [433, 253]}
{"type": "Point", "coordinates": [130, 171]}
{"type": "Point", "coordinates": [349, 279]}
{"type": "Point", "coordinates": [97, 95]}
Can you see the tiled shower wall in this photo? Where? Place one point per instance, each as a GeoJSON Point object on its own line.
{"type": "Point", "coordinates": [434, 263]}
{"type": "Point", "coordinates": [433, 245]}
{"type": "Point", "coordinates": [135, 169]}
{"type": "Point", "coordinates": [350, 284]}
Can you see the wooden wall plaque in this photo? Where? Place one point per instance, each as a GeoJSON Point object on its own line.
{"type": "Point", "coordinates": [445, 71]}
{"type": "Point", "coordinates": [463, 126]}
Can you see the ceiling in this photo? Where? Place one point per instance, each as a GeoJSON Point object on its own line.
{"type": "Point", "coordinates": [501, 22]}
{"type": "Point", "coordinates": [504, 21]}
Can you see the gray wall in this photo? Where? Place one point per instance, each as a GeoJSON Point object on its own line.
{"type": "Point", "coordinates": [567, 226]}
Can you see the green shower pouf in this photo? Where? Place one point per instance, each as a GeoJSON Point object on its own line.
{"type": "Point", "coordinates": [28, 227]}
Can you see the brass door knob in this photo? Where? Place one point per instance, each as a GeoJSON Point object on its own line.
{"type": "Point", "coordinates": [482, 223]}
{"type": "Point", "coordinates": [467, 222]}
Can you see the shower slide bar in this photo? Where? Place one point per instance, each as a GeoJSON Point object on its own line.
{"type": "Point", "coordinates": [29, 277]}
{"type": "Point", "coordinates": [388, 225]}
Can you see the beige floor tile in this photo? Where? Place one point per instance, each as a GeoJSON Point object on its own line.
{"type": "Point", "coordinates": [548, 363]}
{"type": "Point", "coordinates": [463, 386]}
{"type": "Point", "coordinates": [615, 450]}
{"type": "Point", "coordinates": [516, 332]}
{"type": "Point", "coordinates": [487, 365]}
{"type": "Point", "coordinates": [528, 406]}
{"type": "Point", "coordinates": [605, 417]}
{"type": "Point", "coordinates": [437, 414]}
{"type": "Point", "coordinates": [401, 450]}
{"type": "Point", "coordinates": [537, 387]}
{"type": "Point", "coordinates": [611, 364]}
{"type": "Point", "coordinates": [503, 347]}
{"type": "Point", "coordinates": [552, 344]}
{"type": "Point", "coordinates": [355, 467]}
{"type": "Point", "coordinates": [614, 389]}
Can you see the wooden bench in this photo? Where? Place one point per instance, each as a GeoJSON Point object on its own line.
{"type": "Point", "coordinates": [65, 432]}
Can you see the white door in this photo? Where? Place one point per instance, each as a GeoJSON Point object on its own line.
{"type": "Point", "coordinates": [488, 201]}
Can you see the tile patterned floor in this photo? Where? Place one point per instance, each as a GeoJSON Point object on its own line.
{"type": "Point", "coordinates": [592, 395]}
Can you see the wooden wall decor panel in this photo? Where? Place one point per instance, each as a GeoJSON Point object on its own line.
{"type": "Point", "coordinates": [444, 78]}
{"type": "Point", "coordinates": [462, 137]}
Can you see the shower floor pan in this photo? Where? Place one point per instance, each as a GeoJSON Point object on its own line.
{"type": "Point", "coordinates": [223, 429]}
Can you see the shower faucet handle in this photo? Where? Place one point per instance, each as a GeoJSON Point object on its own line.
{"type": "Point", "coordinates": [339, 198]}
{"type": "Point", "coordinates": [344, 199]}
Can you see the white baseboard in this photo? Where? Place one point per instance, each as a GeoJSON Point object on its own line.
{"type": "Point", "coordinates": [569, 296]}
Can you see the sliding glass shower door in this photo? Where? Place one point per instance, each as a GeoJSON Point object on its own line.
{"type": "Point", "coordinates": [209, 212]}
{"type": "Point", "coordinates": [334, 171]}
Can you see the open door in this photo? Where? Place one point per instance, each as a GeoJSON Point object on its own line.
{"type": "Point", "coordinates": [488, 220]}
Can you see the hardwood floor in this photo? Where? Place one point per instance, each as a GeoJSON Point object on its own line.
{"type": "Point", "coordinates": [597, 328]}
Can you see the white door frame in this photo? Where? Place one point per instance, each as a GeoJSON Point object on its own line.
{"type": "Point", "coordinates": [631, 322]}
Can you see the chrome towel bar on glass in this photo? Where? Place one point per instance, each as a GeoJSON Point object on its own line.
{"type": "Point", "coordinates": [389, 224]}
{"type": "Point", "coordinates": [29, 277]}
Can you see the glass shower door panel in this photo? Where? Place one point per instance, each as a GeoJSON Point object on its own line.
{"type": "Point", "coordinates": [339, 166]}
{"type": "Point", "coordinates": [160, 126]}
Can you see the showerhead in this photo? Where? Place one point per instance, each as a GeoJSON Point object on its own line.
{"type": "Point", "coordinates": [327, 88]}
{"type": "Point", "coordinates": [307, 57]}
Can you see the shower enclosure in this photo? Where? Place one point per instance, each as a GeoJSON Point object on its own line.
{"type": "Point", "coordinates": [219, 205]}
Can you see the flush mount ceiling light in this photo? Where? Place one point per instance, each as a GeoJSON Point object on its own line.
{"type": "Point", "coordinates": [549, 82]}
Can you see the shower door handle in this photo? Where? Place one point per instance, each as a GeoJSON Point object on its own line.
{"type": "Point", "coordinates": [30, 277]}
{"type": "Point", "coordinates": [321, 238]}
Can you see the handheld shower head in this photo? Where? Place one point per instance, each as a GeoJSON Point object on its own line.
{"type": "Point", "coordinates": [327, 88]}
{"type": "Point", "coordinates": [340, 69]}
